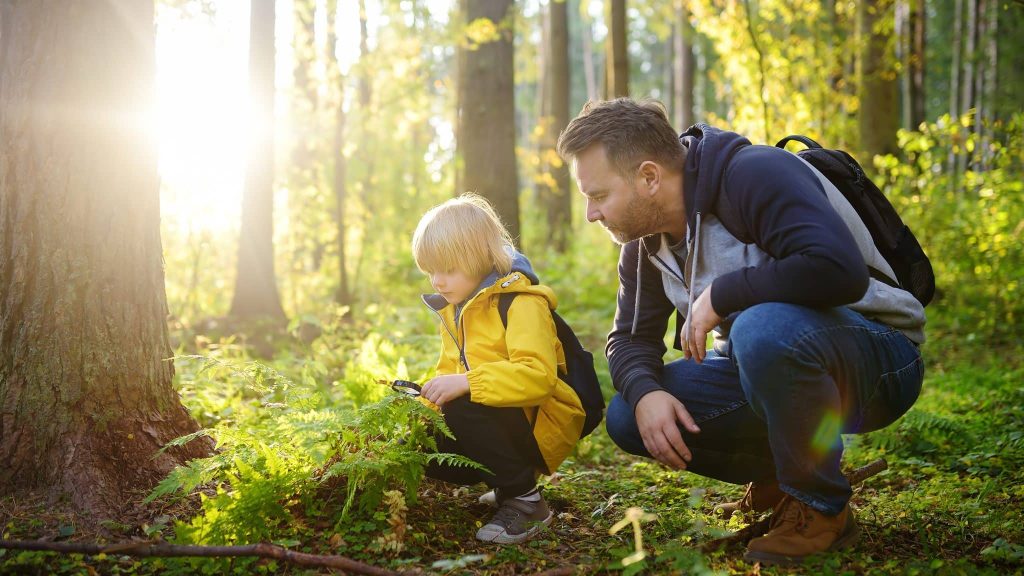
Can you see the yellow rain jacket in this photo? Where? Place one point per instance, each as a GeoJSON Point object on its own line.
{"type": "Point", "coordinates": [514, 367]}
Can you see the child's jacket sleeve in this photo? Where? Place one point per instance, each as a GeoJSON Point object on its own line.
{"type": "Point", "coordinates": [530, 374]}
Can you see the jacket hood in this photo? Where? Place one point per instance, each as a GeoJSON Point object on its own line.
{"type": "Point", "coordinates": [521, 278]}
{"type": "Point", "coordinates": [709, 151]}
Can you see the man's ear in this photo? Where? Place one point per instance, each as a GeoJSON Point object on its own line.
{"type": "Point", "coordinates": [649, 174]}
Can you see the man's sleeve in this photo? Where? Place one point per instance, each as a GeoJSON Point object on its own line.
{"type": "Point", "coordinates": [635, 361]}
{"type": "Point", "coordinates": [781, 204]}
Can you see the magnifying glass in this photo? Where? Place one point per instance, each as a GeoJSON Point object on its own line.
{"type": "Point", "coordinates": [402, 386]}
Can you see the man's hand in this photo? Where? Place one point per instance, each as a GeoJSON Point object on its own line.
{"type": "Point", "coordinates": [702, 320]}
{"type": "Point", "coordinates": [445, 388]}
{"type": "Point", "coordinates": [658, 416]}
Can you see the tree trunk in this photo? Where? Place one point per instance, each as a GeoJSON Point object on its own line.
{"type": "Point", "coordinates": [879, 109]}
{"type": "Point", "coordinates": [256, 293]}
{"type": "Point", "coordinates": [918, 20]}
{"type": "Point", "coordinates": [684, 64]}
{"type": "Point", "coordinates": [988, 117]}
{"type": "Point", "coordinates": [954, 91]}
{"type": "Point", "coordinates": [589, 76]}
{"type": "Point", "coordinates": [342, 295]}
{"type": "Point", "coordinates": [559, 200]}
{"type": "Point", "coordinates": [617, 60]}
{"type": "Point", "coordinates": [488, 115]}
{"type": "Point", "coordinates": [85, 376]}
{"type": "Point", "coordinates": [968, 102]}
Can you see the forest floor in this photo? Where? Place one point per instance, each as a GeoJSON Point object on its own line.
{"type": "Point", "coordinates": [950, 502]}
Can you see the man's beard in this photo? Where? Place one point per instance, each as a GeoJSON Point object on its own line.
{"type": "Point", "coordinates": [640, 218]}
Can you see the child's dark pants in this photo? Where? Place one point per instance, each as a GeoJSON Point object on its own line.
{"type": "Point", "coordinates": [499, 438]}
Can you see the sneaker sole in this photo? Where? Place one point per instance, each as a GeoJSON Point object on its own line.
{"type": "Point", "coordinates": [845, 541]}
{"type": "Point", "coordinates": [506, 538]}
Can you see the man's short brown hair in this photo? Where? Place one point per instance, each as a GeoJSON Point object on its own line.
{"type": "Point", "coordinates": [631, 131]}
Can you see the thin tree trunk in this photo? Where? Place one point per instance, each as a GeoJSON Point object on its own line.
{"type": "Point", "coordinates": [559, 201]}
{"type": "Point", "coordinates": [617, 64]}
{"type": "Point", "coordinates": [968, 83]}
{"type": "Point", "coordinates": [879, 117]}
{"type": "Point", "coordinates": [918, 19]}
{"type": "Point", "coordinates": [761, 78]}
{"type": "Point", "coordinates": [954, 89]}
{"type": "Point", "coordinates": [587, 35]}
{"type": "Point", "coordinates": [684, 73]}
{"type": "Point", "coordinates": [366, 155]}
{"type": "Point", "coordinates": [256, 294]}
{"type": "Point", "coordinates": [488, 115]}
{"type": "Point", "coordinates": [991, 81]}
{"type": "Point", "coordinates": [85, 377]}
{"type": "Point", "coordinates": [461, 84]}
{"type": "Point", "coordinates": [904, 41]}
{"type": "Point", "coordinates": [979, 81]}
{"type": "Point", "coordinates": [342, 295]}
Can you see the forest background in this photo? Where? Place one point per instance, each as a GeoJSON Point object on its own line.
{"type": "Point", "coordinates": [234, 185]}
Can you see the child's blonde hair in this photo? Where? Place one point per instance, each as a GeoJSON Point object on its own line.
{"type": "Point", "coordinates": [463, 234]}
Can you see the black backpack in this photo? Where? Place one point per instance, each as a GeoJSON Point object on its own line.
{"type": "Point", "coordinates": [580, 376]}
{"type": "Point", "coordinates": [892, 237]}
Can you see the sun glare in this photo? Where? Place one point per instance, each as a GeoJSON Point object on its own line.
{"type": "Point", "coordinates": [201, 114]}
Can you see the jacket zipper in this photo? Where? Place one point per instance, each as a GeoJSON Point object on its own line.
{"type": "Point", "coordinates": [462, 352]}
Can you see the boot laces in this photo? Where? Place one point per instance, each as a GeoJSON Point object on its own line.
{"type": "Point", "coordinates": [791, 511]}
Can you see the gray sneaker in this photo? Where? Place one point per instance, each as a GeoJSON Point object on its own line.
{"type": "Point", "coordinates": [516, 521]}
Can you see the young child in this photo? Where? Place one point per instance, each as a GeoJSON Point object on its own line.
{"type": "Point", "coordinates": [498, 388]}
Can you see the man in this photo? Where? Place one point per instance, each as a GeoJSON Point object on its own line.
{"type": "Point", "coordinates": [752, 243]}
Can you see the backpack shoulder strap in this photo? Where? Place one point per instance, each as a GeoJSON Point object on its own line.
{"type": "Point", "coordinates": [504, 303]}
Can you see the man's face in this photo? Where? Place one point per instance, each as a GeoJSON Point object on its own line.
{"type": "Point", "coordinates": [621, 206]}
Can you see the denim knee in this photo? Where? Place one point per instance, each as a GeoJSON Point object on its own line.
{"type": "Point", "coordinates": [761, 335]}
{"type": "Point", "coordinates": [620, 422]}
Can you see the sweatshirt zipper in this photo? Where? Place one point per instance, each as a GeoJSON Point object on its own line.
{"type": "Point", "coordinates": [693, 279]}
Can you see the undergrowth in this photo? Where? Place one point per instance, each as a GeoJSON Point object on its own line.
{"type": "Point", "coordinates": [314, 454]}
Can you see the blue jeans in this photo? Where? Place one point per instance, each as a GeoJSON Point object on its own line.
{"type": "Point", "coordinates": [795, 379]}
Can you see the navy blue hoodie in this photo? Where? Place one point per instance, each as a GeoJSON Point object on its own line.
{"type": "Point", "coordinates": [762, 195]}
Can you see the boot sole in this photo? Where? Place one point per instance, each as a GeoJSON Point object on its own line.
{"type": "Point", "coordinates": [844, 541]}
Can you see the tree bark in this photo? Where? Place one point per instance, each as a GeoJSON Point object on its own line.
{"type": "Point", "coordinates": [589, 75]}
{"type": "Point", "coordinates": [879, 109]}
{"type": "Point", "coordinates": [487, 128]}
{"type": "Point", "coordinates": [684, 64]}
{"type": "Point", "coordinates": [256, 294]}
{"type": "Point", "coordinates": [617, 60]}
{"type": "Point", "coordinates": [559, 198]}
{"type": "Point", "coordinates": [918, 20]}
{"type": "Point", "coordinates": [85, 377]}
{"type": "Point", "coordinates": [342, 295]}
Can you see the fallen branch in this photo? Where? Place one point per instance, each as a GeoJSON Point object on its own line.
{"type": "Point", "coordinates": [148, 548]}
{"type": "Point", "coordinates": [760, 527]}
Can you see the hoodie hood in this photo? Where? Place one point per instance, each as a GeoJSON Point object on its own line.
{"type": "Point", "coordinates": [520, 264]}
{"type": "Point", "coordinates": [709, 151]}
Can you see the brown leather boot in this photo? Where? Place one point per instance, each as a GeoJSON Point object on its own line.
{"type": "Point", "coordinates": [797, 531]}
{"type": "Point", "coordinates": [760, 496]}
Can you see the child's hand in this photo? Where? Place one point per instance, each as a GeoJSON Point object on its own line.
{"type": "Point", "coordinates": [445, 388]}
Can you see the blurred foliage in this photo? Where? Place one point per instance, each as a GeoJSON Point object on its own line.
{"type": "Point", "coordinates": [969, 224]}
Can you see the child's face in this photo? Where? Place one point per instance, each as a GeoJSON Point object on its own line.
{"type": "Point", "coordinates": [455, 286]}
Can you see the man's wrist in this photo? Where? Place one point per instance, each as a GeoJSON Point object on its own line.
{"type": "Point", "coordinates": [640, 389]}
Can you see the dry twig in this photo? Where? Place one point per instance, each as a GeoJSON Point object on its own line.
{"type": "Point", "coordinates": [149, 548]}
